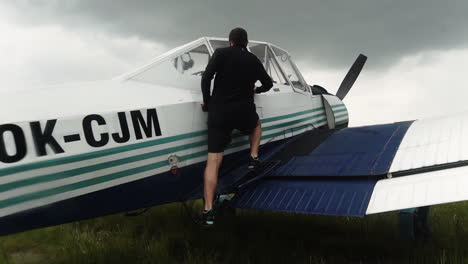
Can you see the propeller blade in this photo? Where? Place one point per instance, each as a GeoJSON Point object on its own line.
{"type": "Point", "coordinates": [351, 77]}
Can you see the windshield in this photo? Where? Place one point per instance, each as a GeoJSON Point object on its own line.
{"type": "Point", "coordinates": [264, 54]}
{"type": "Point", "coordinates": [289, 69]}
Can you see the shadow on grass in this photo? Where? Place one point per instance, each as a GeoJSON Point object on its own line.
{"type": "Point", "coordinates": [166, 235]}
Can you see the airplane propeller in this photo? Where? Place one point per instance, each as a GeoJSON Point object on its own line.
{"type": "Point", "coordinates": [351, 77]}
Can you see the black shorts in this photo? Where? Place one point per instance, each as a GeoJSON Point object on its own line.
{"type": "Point", "coordinates": [222, 122]}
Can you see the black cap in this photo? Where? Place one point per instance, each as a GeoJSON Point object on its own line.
{"type": "Point", "coordinates": [238, 37]}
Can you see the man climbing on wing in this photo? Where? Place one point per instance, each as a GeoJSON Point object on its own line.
{"type": "Point", "coordinates": [231, 106]}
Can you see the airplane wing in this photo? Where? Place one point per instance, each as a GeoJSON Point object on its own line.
{"type": "Point", "coordinates": [365, 170]}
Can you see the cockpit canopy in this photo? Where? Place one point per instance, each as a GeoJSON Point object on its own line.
{"type": "Point", "coordinates": [182, 67]}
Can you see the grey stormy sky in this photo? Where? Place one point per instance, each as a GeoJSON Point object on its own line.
{"type": "Point", "coordinates": [418, 50]}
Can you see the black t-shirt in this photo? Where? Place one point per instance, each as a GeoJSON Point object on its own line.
{"type": "Point", "coordinates": [237, 70]}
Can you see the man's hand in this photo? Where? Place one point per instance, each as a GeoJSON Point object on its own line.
{"type": "Point", "coordinates": [258, 90]}
{"type": "Point", "coordinates": [204, 107]}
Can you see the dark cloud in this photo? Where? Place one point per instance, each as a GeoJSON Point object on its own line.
{"type": "Point", "coordinates": [326, 32]}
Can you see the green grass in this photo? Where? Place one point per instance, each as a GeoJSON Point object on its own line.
{"type": "Point", "coordinates": [165, 234]}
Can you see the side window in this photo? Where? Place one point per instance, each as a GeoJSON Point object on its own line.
{"type": "Point", "coordinates": [192, 63]}
{"type": "Point", "coordinates": [183, 71]}
{"type": "Point", "coordinates": [273, 69]}
{"type": "Point", "coordinates": [265, 55]}
{"type": "Point", "coordinates": [285, 62]}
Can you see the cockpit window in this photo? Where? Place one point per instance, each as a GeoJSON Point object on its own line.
{"type": "Point", "coordinates": [183, 71]}
{"type": "Point", "coordinates": [216, 44]}
{"type": "Point", "coordinates": [284, 60]}
{"type": "Point", "coordinates": [264, 54]}
{"type": "Point", "coordinates": [273, 69]}
{"type": "Point", "coordinates": [258, 50]}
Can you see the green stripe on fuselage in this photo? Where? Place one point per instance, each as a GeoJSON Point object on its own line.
{"type": "Point", "coordinates": [339, 110]}
{"type": "Point", "coordinates": [340, 116]}
{"type": "Point", "coordinates": [106, 152]}
{"type": "Point", "coordinates": [337, 106]}
{"type": "Point", "coordinates": [98, 154]}
{"type": "Point", "coordinates": [271, 119]}
{"type": "Point", "coordinates": [121, 174]}
{"type": "Point", "coordinates": [122, 161]}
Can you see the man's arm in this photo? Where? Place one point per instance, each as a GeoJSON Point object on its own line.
{"type": "Point", "coordinates": [264, 78]}
{"type": "Point", "coordinates": [207, 76]}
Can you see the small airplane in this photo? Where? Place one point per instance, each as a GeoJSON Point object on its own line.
{"type": "Point", "coordinates": [73, 152]}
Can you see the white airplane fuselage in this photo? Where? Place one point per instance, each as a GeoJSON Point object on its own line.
{"type": "Point", "coordinates": [74, 152]}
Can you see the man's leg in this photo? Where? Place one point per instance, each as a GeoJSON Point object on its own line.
{"type": "Point", "coordinates": [255, 138]}
{"type": "Point", "coordinates": [211, 178]}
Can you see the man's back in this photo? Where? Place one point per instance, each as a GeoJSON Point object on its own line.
{"type": "Point", "coordinates": [230, 107]}
{"type": "Point", "coordinates": [236, 71]}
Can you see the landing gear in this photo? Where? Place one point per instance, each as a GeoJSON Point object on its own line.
{"type": "Point", "coordinates": [413, 223]}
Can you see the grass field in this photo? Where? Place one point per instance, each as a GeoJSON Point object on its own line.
{"type": "Point", "coordinates": [165, 234]}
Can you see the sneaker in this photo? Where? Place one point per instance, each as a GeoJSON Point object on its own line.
{"type": "Point", "coordinates": [254, 163]}
{"type": "Point", "coordinates": [207, 218]}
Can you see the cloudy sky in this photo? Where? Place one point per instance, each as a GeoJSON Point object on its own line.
{"type": "Point", "coordinates": [418, 50]}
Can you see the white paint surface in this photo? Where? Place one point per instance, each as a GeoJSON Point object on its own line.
{"type": "Point", "coordinates": [436, 187]}
{"type": "Point", "coordinates": [432, 142]}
